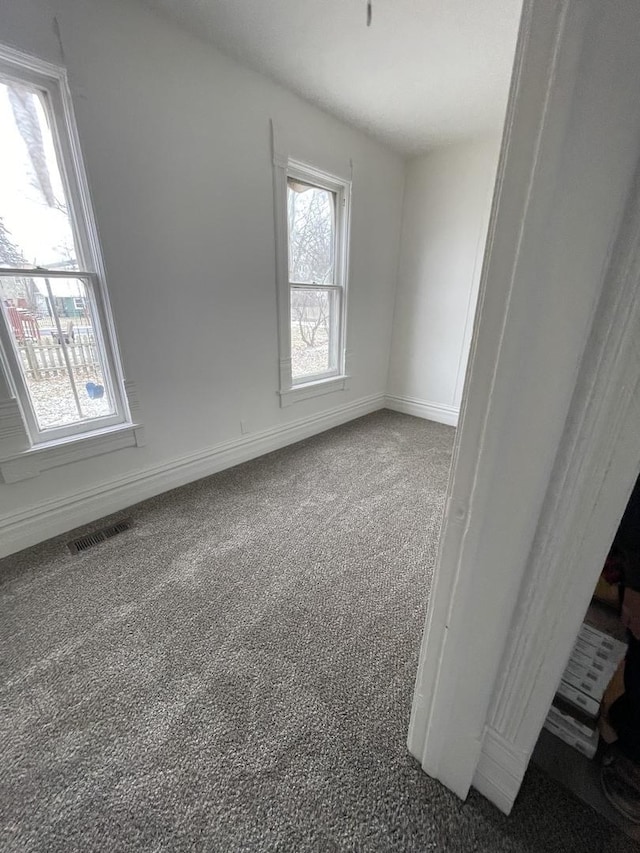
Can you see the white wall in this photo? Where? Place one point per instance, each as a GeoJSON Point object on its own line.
{"type": "Point", "coordinates": [176, 143]}
{"type": "Point", "coordinates": [444, 226]}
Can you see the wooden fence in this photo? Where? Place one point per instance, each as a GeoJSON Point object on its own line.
{"type": "Point", "coordinates": [43, 360]}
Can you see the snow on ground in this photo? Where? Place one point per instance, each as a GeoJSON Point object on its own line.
{"type": "Point", "coordinates": [306, 360]}
{"type": "Point", "coordinates": [55, 405]}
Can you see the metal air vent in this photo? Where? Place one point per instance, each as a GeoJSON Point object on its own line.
{"type": "Point", "coordinates": [76, 546]}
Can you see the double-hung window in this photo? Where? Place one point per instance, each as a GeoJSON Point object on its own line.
{"type": "Point", "coordinates": [56, 336]}
{"type": "Point", "coordinates": [312, 295]}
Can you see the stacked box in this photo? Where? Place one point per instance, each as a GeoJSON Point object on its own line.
{"type": "Point", "coordinates": [574, 714]}
{"type": "Point", "coordinates": [563, 726]}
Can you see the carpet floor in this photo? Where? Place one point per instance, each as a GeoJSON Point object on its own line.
{"type": "Point", "coordinates": [235, 672]}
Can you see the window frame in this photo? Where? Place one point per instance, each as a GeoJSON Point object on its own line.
{"type": "Point", "coordinates": [336, 378]}
{"type": "Point", "coordinates": [52, 81]}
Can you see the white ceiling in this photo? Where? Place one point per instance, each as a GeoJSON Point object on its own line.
{"type": "Point", "coordinates": [425, 73]}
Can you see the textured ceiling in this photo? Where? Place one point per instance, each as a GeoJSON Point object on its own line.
{"type": "Point", "coordinates": [426, 72]}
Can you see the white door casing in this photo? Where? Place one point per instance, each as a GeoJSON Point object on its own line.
{"type": "Point", "coordinates": [537, 472]}
{"type": "Point", "coordinates": [596, 468]}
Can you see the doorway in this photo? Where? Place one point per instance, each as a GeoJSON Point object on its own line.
{"type": "Point", "coordinates": [546, 453]}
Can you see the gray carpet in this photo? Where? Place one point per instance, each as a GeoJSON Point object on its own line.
{"type": "Point", "coordinates": [235, 672]}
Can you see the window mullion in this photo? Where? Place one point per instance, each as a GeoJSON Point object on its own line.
{"type": "Point", "coordinates": [41, 272]}
{"type": "Point", "coordinates": [63, 345]}
{"type": "Point", "coordinates": [294, 285]}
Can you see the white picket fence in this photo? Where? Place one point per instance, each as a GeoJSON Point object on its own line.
{"type": "Point", "coordinates": [43, 360]}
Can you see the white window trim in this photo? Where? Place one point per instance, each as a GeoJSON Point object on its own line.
{"type": "Point", "coordinates": [21, 443]}
{"type": "Point", "coordinates": [284, 168]}
{"type": "Point", "coordinates": [33, 461]}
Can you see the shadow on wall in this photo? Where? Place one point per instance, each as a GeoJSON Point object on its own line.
{"type": "Point", "coordinates": [447, 202]}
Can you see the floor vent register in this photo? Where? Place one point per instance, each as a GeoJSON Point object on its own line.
{"type": "Point", "coordinates": [77, 546]}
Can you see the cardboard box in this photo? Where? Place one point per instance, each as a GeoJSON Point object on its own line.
{"type": "Point", "coordinates": [586, 745]}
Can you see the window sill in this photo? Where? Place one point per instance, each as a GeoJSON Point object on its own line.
{"type": "Point", "coordinates": [313, 389]}
{"type": "Point", "coordinates": [32, 462]}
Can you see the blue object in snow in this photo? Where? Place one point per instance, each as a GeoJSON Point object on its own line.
{"type": "Point", "coordinates": [94, 391]}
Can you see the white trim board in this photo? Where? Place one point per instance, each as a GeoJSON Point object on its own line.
{"type": "Point", "coordinates": [437, 412]}
{"type": "Point", "coordinates": [597, 463]}
{"type": "Point", "coordinates": [500, 771]}
{"type": "Point", "coordinates": [542, 469]}
{"type": "Point", "coordinates": [54, 517]}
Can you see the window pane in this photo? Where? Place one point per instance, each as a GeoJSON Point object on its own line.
{"type": "Point", "coordinates": [313, 316]}
{"type": "Point", "coordinates": [35, 226]}
{"type": "Point", "coordinates": [52, 329]}
{"type": "Point", "coordinates": [311, 215]}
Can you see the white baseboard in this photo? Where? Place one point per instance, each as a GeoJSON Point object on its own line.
{"type": "Point", "coordinates": [500, 771]}
{"type": "Point", "coordinates": [423, 409]}
{"type": "Point", "coordinates": [51, 518]}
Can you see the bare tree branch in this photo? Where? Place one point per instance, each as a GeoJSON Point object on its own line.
{"type": "Point", "coordinates": [24, 111]}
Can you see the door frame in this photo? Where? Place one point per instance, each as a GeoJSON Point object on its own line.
{"type": "Point", "coordinates": [545, 456]}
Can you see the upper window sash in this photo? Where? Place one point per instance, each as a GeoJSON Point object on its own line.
{"type": "Point", "coordinates": [312, 233]}
{"type": "Point", "coordinates": [341, 191]}
{"type": "Point", "coordinates": [51, 82]}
